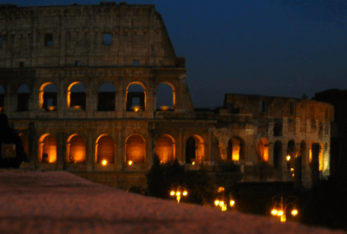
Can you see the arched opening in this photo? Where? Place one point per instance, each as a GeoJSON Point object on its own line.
{"type": "Point", "coordinates": [135, 150]}
{"type": "Point", "coordinates": [2, 98]}
{"type": "Point", "coordinates": [48, 97]}
{"type": "Point", "coordinates": [165, 97]}
{"type": "Point", "coordinates": [277, 155]}
{"type": "Point", "coordinates": [76, 96]}
{"type": "Point", "coordinates": [263, 150]}
{"type": "Point", "coordinates": [135, 100]}
{"type": "Point", "coordinates": [106, 97]}
{"type": "Point", "coordinates": [230, 148]}
{"type": "Point", "coordinates": [312, 143]}
{"type": "Point", "coordinates": [47, 149]}
{"type": "Point", "coordinates": [25, 142]}
{"type": "Point", "coordinates": [76, 149]}
{"type": "Point", "coordinates": [237, 149]}
{"type": "Point", "coordinates": [291, 152]}
{"type": "Point", "coordinates": [165, 148]}
{"type": "Point", "coordinates": [195, 150]}
{"type": "Point", "coordinates": [278, 127]}
{"type": "Point", "coordinates": [104, 149]}
{"type": "Point", "coordinates": [23, 97]}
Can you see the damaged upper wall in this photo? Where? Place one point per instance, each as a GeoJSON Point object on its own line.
{"type": "Point", "coordinates": [278, 107]}
{"type": "Point", "coordinates": [84, 35]}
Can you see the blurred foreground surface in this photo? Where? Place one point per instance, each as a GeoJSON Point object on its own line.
{"type": "Point", "coordinates": [60, 202]}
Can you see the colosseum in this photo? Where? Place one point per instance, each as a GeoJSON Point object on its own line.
{"type": "Point", "coordinates": [98, 89]}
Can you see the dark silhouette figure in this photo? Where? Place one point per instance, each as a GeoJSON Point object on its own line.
{"type": "Point", "coordinates": [11, 148]}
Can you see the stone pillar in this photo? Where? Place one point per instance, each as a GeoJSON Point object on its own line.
{"type": "Point", "coordinates": [271, 153]}
{"type": "Point", "coordinates": [285, 170]}
{"type": "Point", "coordinates": [90, 154]}
{"type": "Point", "coordinates": [297, 167]}
{"type": "Point", "coordinates": [61, 150]}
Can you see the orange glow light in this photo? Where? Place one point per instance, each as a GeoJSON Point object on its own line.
{"type": "Point", "coordinates": [104, 162]}
{"type": "Point", "coordinates": [130, 163]}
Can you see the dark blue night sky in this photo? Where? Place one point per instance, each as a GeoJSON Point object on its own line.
{"type": "Point", "coordinates": [267, 47]}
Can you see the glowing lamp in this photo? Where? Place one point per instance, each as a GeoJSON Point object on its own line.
{"type": "Point", "coordinates": [288, 157]}
{"type": "Point", "coordinates": [178, 193]}
{"type": "Point", "coordinates": [280, 213]}
{"type": "Point", "coordinates": [224, 208]}
{"type": "Point", "coordinates": [283, 218]}
{"type": "Point", "coordinates": [130, 163]}
{"type": "Point", "coordinates": [216, 202]}
{"type": "Point", "coordinates": [172, 193]}
{"type": "Point", "coordinates": [294, 212]}
{"type": "Point", "coordinates": [185, 193]}
{"type": "Point", "coordinates": [274, 211]}
{"type": "Point", "coordinates": [232, 203]}
{"type": "Point", "coordinates": [193, 163]}
{"type": "Point", "coordinates": [136, 108]}
{"type": "Point", "coordinates": [291, 169]}
{"type": "Point", "coordinates": [104, 162]}
{"type": "Point", "coordinates": [77, 107]}
{"type": "Point", "coordinates": [52, 108]}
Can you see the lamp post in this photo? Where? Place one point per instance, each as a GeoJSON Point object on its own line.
{"type": "Point", "coordinates": [222, 200]}
{"type": "Point", "coordinates": [280, 206]}
{"type": "Point", "coordinates": [178, 192]}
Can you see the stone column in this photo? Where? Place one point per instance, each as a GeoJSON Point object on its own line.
{"type": "Point", "coordinates": [90, 154]}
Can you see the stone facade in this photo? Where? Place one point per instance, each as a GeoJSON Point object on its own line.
{"type": "Point", "coordinates": [84, 86]}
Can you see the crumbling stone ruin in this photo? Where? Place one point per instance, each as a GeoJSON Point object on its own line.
{"type": "Point", "coordinates": [99, 88]}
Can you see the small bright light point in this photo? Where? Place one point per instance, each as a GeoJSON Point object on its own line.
{"type": "Point", "coordinates": [172, 193]}
{"type": "Point", "coordinates": [224, 208]}
{"type": "Point", "coordinates": [283, 218]}
{"type": "Point", "coordinates": [216, 202]}
{"type": "Point", "coordinates": [104, 162]}
{"type": "Point", "coordinates": [185, 193]}
{"type": "Point", "coordinates": [193, 163]}
{"type": "Point", "coordinates": [130, 163]}
{"type": "Point", "coordinates": [288, 157]}
{"type": "Point", "coordinates": [232, 203]}
{"type": "Point", "coordinates": [291, 169]}
{"type": "Point", "coordinates": [280, 213]}
{"type": "Point", "coordinates": [294, 212]}
{"type": "Point", "coordinates": [178, 193]}
{"type": "Point", "coordinates": [274, 212]}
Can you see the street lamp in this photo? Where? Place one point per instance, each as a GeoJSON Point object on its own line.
{"type": "Point", "coordinates": [178, 192]}
{"type": "Point", "coordinates": [280, 206]}
{"type": "Point", "coordinates": [222, 201]}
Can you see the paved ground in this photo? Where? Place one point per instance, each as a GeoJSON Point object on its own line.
{"type": "Point", "coordinates": [60, 202]}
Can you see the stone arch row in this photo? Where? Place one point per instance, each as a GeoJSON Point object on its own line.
{"type": "Point", "coordinates": [105, 149]}
{"type": "Point", "coordinates": [106, 96]}
{"type": "Point", "coordinates": [292, 152]}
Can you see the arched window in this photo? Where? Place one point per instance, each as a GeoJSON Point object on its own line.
{"type": "Point", "coordinates": [237, 150]}
{"type": "Point", "coordinates": [278, 155]}
{"type": "Point", "coordinates": [48, 97]}
{"type": "Point", "coordinates": [135, 150]}
{"type": "Point", "coordinates": [76, 96]}
{"type": "Point", "coordinates": [165, 97]}
{"type": "Point", "coordinates": [291, 152]}
{"type": "Point", "coordinates": [23, 96]}
{"type": "Point", "coordinates": [165, 148]}
{"type": "Point", "coordinates": [263, 150]}
{"type": "Point", "coordinates": [195, 150]}
{"type": "Point", "coordinates": [47, 149]}
{"type": "Point", "coordinates": [311, 152]}
{"type": "Point", "coordinates": [2, 98]}
{"type": "Point", "coordinates": [278, 127]}
{"type": "Point", "coordinates": [76, 149]}
{"type": "Point", "coordinates": [135, 97]}
{"type": "Point", "coordinates": [106, 97]}
{"type": "Point", "coordinates": [105, 149]}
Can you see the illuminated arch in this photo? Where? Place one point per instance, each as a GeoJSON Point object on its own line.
{"type": "Point", "coordinates": [76, 149]}
{"type": "Point", "coordinates": [104, 149]}
{"type": "Point", "coordinates": [237, 148]}
{"type": "Point", "coordinates": [165, 148]}
{"type": "Point", "coordinates": [48, 96]}
{"type": "Point", "coordinates": [135, 149]}
{"type": "Point", "coordinates": [76, 96]}
{"type": "Point", "coordinates": [135, 96]}
{"type": "Point", "coordinates": [23, 97]}
{"type": "Point", "coordinates": [263, 150]}
{"type": "Point", "coordinates": [106, 97]}
{"type": "Point", "coordinates": [166, 96]}
{"type": "Point", "coordinates": [195, 149]}
{"type": "Point", "coordinates": [310, 151]}
{"type": "Point", "coordinates": [320, 157]}
{"type": "Point", "coordinates": [47, 149]}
